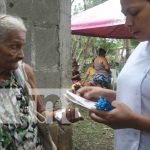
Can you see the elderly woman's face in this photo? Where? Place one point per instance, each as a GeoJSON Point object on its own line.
{"type": "Point", "coordinates": [11, 50]}
{"type": "Point", "coordinates": [137, 14]}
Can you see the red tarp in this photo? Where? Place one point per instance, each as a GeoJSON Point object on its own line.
{"type": "Point", "coordinates": [104, 20]}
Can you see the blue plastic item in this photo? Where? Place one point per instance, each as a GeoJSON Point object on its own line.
{"type": "Point", "coordinates": [103, 104]}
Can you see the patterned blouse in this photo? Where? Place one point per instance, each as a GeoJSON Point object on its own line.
{"type": "Point", "coordinates": [18, 129]}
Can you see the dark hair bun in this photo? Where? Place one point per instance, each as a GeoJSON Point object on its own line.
{"type": "Point", "coordinates": [101, 51]}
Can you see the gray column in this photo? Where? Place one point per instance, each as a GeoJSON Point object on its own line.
{"type": "Point", "coordinates": [2, 7]}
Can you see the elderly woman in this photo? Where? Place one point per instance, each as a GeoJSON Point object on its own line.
{"type": "Point", "coordinates": [18, 129]}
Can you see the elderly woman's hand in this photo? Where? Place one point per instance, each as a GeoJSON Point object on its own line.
{"type": "Point", "coordinates": [68, 115]}
{"type": "Point", "coordinates": [120, 117]}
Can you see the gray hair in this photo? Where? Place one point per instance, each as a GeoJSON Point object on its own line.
{"type": "Point", "coordinates": [9, 23]}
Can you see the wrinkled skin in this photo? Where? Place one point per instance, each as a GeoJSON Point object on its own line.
{"type": "Point", "coordinates": [68, 116]}
{"type": "Point", "coordinates": [11, 50]}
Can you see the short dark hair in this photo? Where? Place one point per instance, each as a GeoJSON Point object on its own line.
{"type": "Point", "coordinates": [101, 52]}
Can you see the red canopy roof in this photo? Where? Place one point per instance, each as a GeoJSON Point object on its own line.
{"type": "Point", "coordinates": [104, 20]}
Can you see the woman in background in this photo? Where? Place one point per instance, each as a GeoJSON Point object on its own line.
{"type": "Point", "coordinates": [102, 76]}
{"type": "Point", "coordinates": [88, 81]}
{"type": "Point", "coordinates": [75, 74]}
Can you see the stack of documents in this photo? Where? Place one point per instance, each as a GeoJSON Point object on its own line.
{"type": "Point", "coordinates": [79, 100]}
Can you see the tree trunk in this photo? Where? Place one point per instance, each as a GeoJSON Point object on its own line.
{"type": "Point", "coordinates": [128, 48]}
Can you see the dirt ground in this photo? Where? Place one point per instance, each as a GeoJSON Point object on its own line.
{"type": "Point", "coordinates": [89, 135]}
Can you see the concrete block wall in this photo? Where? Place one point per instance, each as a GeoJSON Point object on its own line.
{"type": "Point", "coordinates": [48, 39]}
{"type": "Point", "coordinates": [2, 6]}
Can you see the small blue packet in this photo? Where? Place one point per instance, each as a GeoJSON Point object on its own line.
{"type": "Point", "coordinates": [103, 104]}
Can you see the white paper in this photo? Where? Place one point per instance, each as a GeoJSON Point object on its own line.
{"type": "Point", "coordinates": [58, 114]}
{"type": "Point", "coordinates": [79, 100]}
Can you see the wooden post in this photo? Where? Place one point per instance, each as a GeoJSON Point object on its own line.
{"type": "Point", "coordinates": [62, 136]}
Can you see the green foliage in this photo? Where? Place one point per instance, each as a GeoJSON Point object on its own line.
{"type": "Point", "coordinates": [87, 4]}
{"type": "Point", "coordinates": [77, 9]}
{"type": "Point", "coordinates": [92, 3]}
{"type": "Point", "coordinates": [111, 45]}
{"type": "Point", "coordinates": [134, 43]}
{"type": "Point", "coordinates": [84, 48]}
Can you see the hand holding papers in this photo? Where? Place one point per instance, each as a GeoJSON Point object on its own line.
{"type": "Point", "coordinates": [79, 100]}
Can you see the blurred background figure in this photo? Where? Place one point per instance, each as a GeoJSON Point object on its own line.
{"type": "Point", "coordinates": [89, 74]}
{"type": "Point", "coordinates": [75, 74]}
{"type": "Point", "coordinates": [74, 62]}
{"type": "Point", "coordinates": [102, 76]}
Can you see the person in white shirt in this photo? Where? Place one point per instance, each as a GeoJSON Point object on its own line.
{"type": "Point", "coordinates": [131, 116]}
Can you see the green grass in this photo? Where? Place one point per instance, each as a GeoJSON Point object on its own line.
{"type": "Point", "coordinates": [89, 135]}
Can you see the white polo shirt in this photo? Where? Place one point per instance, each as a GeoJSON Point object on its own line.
{"type": "Point", "coordinates": [133, 89]}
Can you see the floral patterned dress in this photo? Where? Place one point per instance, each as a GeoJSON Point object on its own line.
{"type": "Point", "coordinates": [18, 128]}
